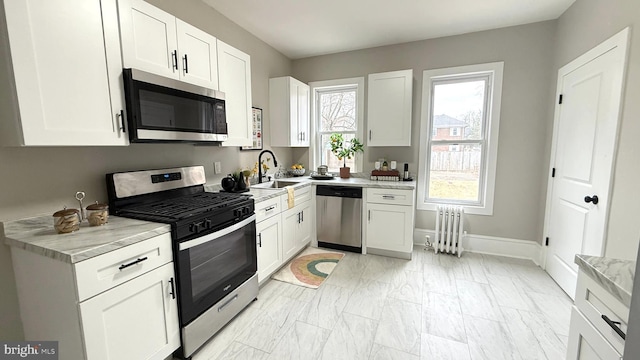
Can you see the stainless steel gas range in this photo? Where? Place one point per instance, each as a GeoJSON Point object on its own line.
{"type": "Point", "coordinates": [214, 243]}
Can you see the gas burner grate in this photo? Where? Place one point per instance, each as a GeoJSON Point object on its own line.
{"type": "Point", "coordinates": [185, 206]}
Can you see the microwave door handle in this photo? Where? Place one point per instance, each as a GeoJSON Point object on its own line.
{"type": "Point", "coordinates": [216, 235]}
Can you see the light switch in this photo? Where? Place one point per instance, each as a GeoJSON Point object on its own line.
{"type": "Point", "coordinates": [217, 167]}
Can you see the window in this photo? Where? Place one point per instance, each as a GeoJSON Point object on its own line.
{"type": "Point", "coordinates": [338, 107]}
{"type": "Point", "coordinates": [458, 166]}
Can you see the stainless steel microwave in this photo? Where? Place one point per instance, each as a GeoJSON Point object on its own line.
{"type": "Point", "coordinates": [161, 109]}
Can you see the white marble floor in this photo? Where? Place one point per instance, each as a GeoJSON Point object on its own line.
{"type": "Point", "coordinates": [432, 307]}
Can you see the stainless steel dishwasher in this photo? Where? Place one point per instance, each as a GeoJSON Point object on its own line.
{"type": "Point", "coordinates": [339, 217]}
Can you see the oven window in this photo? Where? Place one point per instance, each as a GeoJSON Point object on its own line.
{"type": "Point", "coordinates": [164, 111]}
{"type": "Point", "coordinates": [214, 262]}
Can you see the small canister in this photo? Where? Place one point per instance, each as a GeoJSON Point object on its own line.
{"type": "Point", "coordinates": [97, 214]}
{"type": "Point", "coordinates": [66, 220]}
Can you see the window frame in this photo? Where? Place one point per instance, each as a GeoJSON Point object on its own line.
{"type": "Point", "coordinates": [316, 88]}
{"type": "Point", "coordinates": [491, 131]}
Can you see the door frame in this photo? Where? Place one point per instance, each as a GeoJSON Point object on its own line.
{"type": "Point", "coordinates": [620, 40]}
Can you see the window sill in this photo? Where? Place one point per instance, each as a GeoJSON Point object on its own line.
{"type": "Point", "coordinates": [468, 209]}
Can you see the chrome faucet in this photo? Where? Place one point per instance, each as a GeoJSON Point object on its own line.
{"type": "Point", "coordinates": [275, 163]}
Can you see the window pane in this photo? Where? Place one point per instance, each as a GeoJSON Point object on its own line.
{"type": "Point", "coordinates": [458, 110]}
{"type": "Point", "coordinates": [455, 172]}
{"type": "Point", "coordinates": [327, 157]}
{"type": "Point", "coordinates": [338, 111]}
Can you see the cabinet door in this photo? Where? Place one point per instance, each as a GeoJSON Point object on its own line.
{"type": "Point", "coordinates": [291, 222]}
{"type": "Point", "coordinates": [136, 320]}
{"type": "Point", "coordinates": [198, 56]}
{"type": "Point", "coordinates": [235, 81]}
{"type": "Point", "coordinates": [304, 228]}
{"type": "Point", "coordinates": [389, 227]}
{"type": "Point", "coordinates": [269, 238]}
{"type": "Point", "coordinates": [295, 134]}
{"type": "Point", "coordinates": [64, 54]}
{"type": "Point", "coordinates": [303, 114]}
{"type": "Point", "coordinates": [149, 40]}
{"type": "Point", "coordinates": [586, 343]}
{"type": "Point", "coordinates": [389, 108]}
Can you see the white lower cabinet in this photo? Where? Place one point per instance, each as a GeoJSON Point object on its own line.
{"type": "Point", "coordinates": [586, 343]}
{"type": "Point", "coordinates": [136, 320]}
{"type": "Point", "coordinates": [281, 235]}
{"type": "Point", "coordinates": [119, 305]}
{"type": "Point", "coordinates": [269, 246]}
{"type": "Point", "coordinates": [296, 229]}
{"type": "Point", "coordinates": [596, 319]}
{"type": "Point", "coordinates": [389, 215]}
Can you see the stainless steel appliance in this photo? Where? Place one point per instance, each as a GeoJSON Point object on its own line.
{"type": "Point", "coordinates": [160, 109]}
{"type": "Point", "coordinates": [339, 217]}
{"type": "Point", "coordinates": [214, 236]}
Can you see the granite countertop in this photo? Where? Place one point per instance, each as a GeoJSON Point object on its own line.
{"type": "Point", "coordinates": [37, 235]}
{"type": "Point", "coordinates": [615, 275]}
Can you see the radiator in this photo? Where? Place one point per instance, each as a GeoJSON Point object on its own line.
{"type": "Point", "coordinates": [449, 229]}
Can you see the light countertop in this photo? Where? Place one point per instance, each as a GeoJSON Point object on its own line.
{"type": "Point", "coordinates": [304, 181]}
{"type": "Point", "coordinates": [37, 235]}
{"type": "Point", "coordinates": [615, 275]}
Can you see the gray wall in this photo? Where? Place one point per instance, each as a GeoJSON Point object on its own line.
{"type": "Point", "coordinates": [584, 25]}
{"type": "Point", "coordinates": [42, 180]}
{"type": "Point", "coordinates": [526, 51]}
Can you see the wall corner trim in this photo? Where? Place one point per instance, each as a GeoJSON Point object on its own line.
{"type": "Point", "coordinates": [491, 245]}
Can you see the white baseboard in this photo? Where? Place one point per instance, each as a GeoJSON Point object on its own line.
{"type": "Point", "coordinates": [491, 245]}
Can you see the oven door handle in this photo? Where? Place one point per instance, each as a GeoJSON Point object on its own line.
{"type": "Point", "coordinates": [215, 235]}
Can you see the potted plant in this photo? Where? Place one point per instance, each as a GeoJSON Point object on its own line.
{"type": "Point", "coordinates": [345, 150]}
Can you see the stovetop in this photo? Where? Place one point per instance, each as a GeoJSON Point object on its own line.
{"type": "Point", "coordinates": [183, 207]}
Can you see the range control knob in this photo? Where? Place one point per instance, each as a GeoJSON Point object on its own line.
{"type": "Point", "coordinates": [195, 227]}
{"type": "Point", "coordinates": [207, 223]}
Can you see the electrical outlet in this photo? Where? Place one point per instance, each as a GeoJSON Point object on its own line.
{"type": "Point", "coordinates": [217, 167]}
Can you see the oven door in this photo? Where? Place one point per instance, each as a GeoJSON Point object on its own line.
{"type": "Point", "coordinates": [213, 265]}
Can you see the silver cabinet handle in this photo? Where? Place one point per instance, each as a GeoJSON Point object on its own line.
{"type": "Point", "coordinates": [369, 216]}
{"type": "Point", "coordinates": [269, 208]}
{"type": "Point", "coordinates": [260, 240]}
{"type": "Point", "coordinates": [388, 197]}
{"type": "Point", "coordinates": [369, 134]}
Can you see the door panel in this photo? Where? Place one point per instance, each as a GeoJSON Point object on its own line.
{"type": "Point", "coordinates": [198, 56]}
{"type": "Point", "coordinates": [583, 152]}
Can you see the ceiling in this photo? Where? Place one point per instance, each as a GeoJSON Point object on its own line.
{"type": "Point", "coordinates": [304, 28]}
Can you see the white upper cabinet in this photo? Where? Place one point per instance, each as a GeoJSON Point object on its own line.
{"type": "Point", "coordinates": [234, 68]}
{"type": "Point", "coordinates": [389, 108]}
{"type": "Point", "coordinates": [159, 43]}
{"type": "Point", "coordinates": [66, 86]}
{"type": "Point", "coordinates": [289, 112]}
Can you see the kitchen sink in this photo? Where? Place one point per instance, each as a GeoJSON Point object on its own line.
{"type": "Point", "coordinates": [274, 185]}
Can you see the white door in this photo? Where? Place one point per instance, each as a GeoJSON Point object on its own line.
{"type": "Point", "coordinates": [303, 237]}
{"type": "Point", "coordinates": [198, 56]}
{"type": "Point", "coordinates": [290, 224]}
{"type": "Point", "coordinates": [135, 320]}
{"type": "Point", "coordinates": [66, 63]}
{"type": "Point", "coordinates": [583, 151]}
{"type": "Point", "coordinates": [269, 238]}
{"type": "Point", "coordinates": [149, 40]}
{"type": "Point", "coordinates": [235, 81]}
{"type": "Point", "coordinates": [389, 227]}
{"type": "Point", "coordinates": [303, 113]}
{"type": "Point", "coordinates": [390, 98]}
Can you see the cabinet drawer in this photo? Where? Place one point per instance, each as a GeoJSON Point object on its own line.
{"type": "Point", "coordinates": [390, 196]}
{"type": "Point", "coordinates": [594, 301]}
{"type": "Point", "coordinates": [103, 272]}
{"type": "Point", "coordinates": [268, 208]}
{"type": "Point", "coordinates": [300, 195]}
{"type": "Point", "coordinates": [586, 343]}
